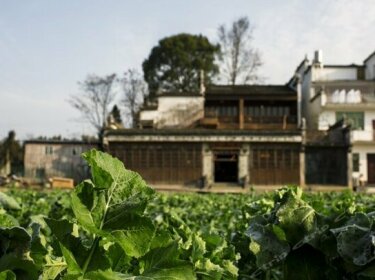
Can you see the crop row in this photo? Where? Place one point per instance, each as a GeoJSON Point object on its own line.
{"type": "Point", "coordinates": [115, 227]}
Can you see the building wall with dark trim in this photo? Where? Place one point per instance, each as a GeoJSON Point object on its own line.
{"type": "Point", "coordinates": [162, 163]}
{"type": "Point", "coordinates": [182, 163]}
{"type": "Point", "coordinates": [326, 165]}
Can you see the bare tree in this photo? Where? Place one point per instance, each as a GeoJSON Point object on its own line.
{"type": "Point", "coordinates": [95, 100]}
{"type": "Point", "coordinates": [239, 60]}
{"type": "Point", "coordinates": [134, 91]}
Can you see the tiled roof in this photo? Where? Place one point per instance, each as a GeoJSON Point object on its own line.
{"type": "Point", "coordinates": [61, 142]}
{"type": "Point", "coordinates": [371, 55]}
{"type": "Point", "coordinates": [201, 132]}
{"type": "Point", "coordinates": [250, 90]}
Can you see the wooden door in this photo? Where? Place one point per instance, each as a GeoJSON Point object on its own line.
{"type": "Point", "coordinates": [371, 168]}
{"type": "Point", "coordinates": [274, 164]}
{"type": "Point", "coordinates": [226, 166]}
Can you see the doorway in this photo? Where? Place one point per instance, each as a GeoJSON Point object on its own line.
{"type": "Point", "coordinates": [371, 168]}
{"type": "Point", "coordinates": [226, 166]}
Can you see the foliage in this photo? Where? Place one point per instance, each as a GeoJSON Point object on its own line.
{"type": "Point", "coordinates": [11, 152]}
{"type": "Point", "coordinates": [239, 60]}
{"type": "Point", "coordinates": [109, 237]}
{"type": "Point", "coordinates": [114, 227]}
{"type": "Point", "coordinates": [175, 63]}
{"type": "Point", "coordinates": [116, 114]}
{"type": "Point", "coordinates": [95, 99]}
{"type": "Point", "coordinates": [134, 90]}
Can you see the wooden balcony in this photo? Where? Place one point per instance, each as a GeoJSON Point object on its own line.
{"type": "Point", "coordinates": [250, 123]}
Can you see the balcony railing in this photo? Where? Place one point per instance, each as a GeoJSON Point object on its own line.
{"type": "Point", "coordinates": [350, 97]}
{"type": "Point", "coordinates": [271, 120]}
{"type": "Point", "coordinates": [250, 122]}
{"type": "Point", "coordinates": [362, 135]}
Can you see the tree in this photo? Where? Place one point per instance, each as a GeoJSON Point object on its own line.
{"type": "Point", "coordinates": [95, 100]}
{"type": "Point", "coordinates": [116, 114]}
{"type": "Point", "coordinates": [134, 91]}
{"type": "Point", "coordinates": [175, 63]}
{"type": "Point", "coordinates": [11, 152]}
{"type": "Point", "coordinates": [239, 60]}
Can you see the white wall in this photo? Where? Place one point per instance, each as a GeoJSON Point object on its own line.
{"type": "Point", "coordinates": [367, 133]}
{"type": "Point", "coordinates": [369, 117]}
{"type": "Point", "coordinates": [306, 94]}
{"type": "Point", "coordinates": [167, 103]}
{"type": "Point", "coordinates": [326, 118]}
{"type": "Point", "coordinates": [175, 111]}
{"type": "Point", "coordinates": [334, 73]}
{"type": "Point", "coordinates": [361, 135]}
{"type": "Point", "coordinates": [61, 162]}
{"type": "Point", "coordinates": [314, 111]}
{"type": "Point", "coordinates": [311, 111]}
{"type": "Point", "coordinates": [370, 69]}
{"type": "Point", "coordinates": [148, 115]}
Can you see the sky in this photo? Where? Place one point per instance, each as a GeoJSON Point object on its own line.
{"type": "Point", "coordinates": [47, 47]}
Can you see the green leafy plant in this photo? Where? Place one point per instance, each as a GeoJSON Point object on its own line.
{"type": "Point", "coordinates": [110, 237]}
{"type": "Point", "coordinates": [115, 227]}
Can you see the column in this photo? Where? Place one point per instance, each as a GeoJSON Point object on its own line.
{"type": "Point", "coordinates": [207, 160]}
{"type": "Point", "coordinates": [243, 164]}
{"type": "Point", "coordinates": [241, 113]}
{"type": "Point", "coordinates": [302, 164]}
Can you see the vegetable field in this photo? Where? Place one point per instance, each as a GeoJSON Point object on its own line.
{"type": "Point", "coordinates": [114, 226]}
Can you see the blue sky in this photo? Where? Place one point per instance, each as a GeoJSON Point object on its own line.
{"type": "Point", "coordinates": [46, 47]}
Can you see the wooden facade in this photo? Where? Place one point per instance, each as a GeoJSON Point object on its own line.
{"type": "Point", "coordinates": [274, 164]}
{"type": "Point", "coordinates": [162, 163]}
{"type": "Point", "coordinates": [247, 135]}
{"type": "Point", "coordinates": [250, 114]}
{"type": "Point", "coordinates": [183, 163]}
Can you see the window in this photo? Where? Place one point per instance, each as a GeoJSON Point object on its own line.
{"type": "Point", "coordinates": [76, 151]}
{"type": "Point", "coordinates": [281, 158]}
{"type": "Point", "coordinates": [211, 111]}
{"type": "Point", "coordinates": [40, 173]}
{"type": "Point", "coordinates": [355, 119]}
{"type": "Point", "coordinates": [222, 111]}
{"type": "Point", "coordinates": [256, 111]}
{"type": "Point", "coordinates": [355, 158]}
{"type": "Point", "coordinates": [49, 150]}
{"type": "Point", "coordinates": [267, 111]}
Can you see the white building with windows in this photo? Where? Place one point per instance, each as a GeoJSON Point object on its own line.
{"type": "Point", "coordinates": [330, 93]}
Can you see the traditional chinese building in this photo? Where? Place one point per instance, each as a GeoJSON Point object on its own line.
{"type": "Point", "coordinates": [237, 135]}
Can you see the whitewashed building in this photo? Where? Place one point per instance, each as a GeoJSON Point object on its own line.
{"type": "Point", "coordinates": [44, 159]}
{"type": "Point", "coordinates": [330, 93]}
